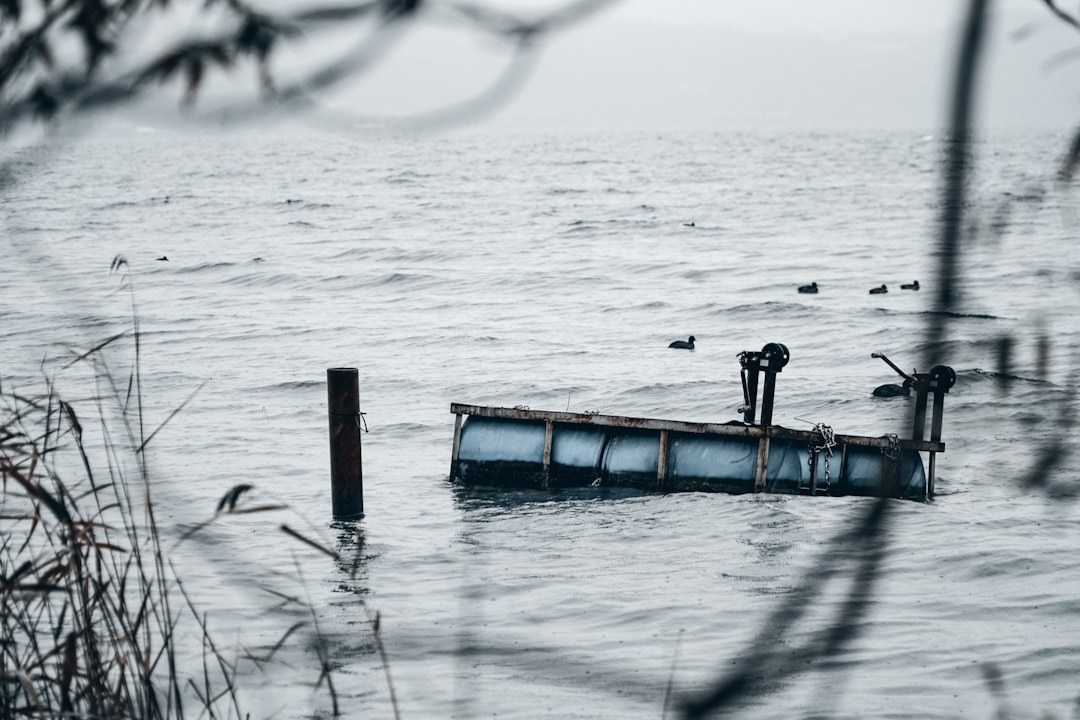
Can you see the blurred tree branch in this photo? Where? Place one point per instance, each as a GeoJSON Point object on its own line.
{"type": "Point", "coordinates": [62, 59]}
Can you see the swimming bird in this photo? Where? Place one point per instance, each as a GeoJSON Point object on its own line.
{"type": "Point", "coordinates": [893, 390]}
{"type": "Point", "coordinates": [879, 290]}
{"type": "Point", "coordinates": [689, 224]}
{"type": "Point", "coordinates": [164, 257]}
{"type": "Point", "coordinates": [683, 344]}
{"type": "Point", "coordinates": [910, 286]}
{"type": "Point", "coordinates": [810, 289]}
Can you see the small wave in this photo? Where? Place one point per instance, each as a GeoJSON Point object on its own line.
{"type": "Point", "coordinates": [262, 280]}
{"type": "Point", "coordinates": [769, 307]}
{"type": "Point", "coordinates": [566, 191]}
{"type": "Point", "coordinates": [300, 204]}
{"type": "Point", "coordinates": [579, 163]}
{"type": "Point", "coordinates": [699, 274]}
{"type": "Point", "coordinates": [654, 305]}
{"type": "Point", "coordinates": [407, 177]}
{"type": "Point", "coordinates": [396, 278]}
{"type": "Point", "coordinates": [958, 315]}
{"type": "Point", "coordinates": [581, 226]}
{"type": "Point", "coordinates": [357, 252]}
{"type": "Point", "coordinates": [301, 223]}
{"type": "Point", "coordinates": [291, 385]}
{"type": "Point", "coordinates": [1004, 376]}
{"type": "Point", "coordinates": [204, 266]}
{"type": "Point", "coordinates": [417, 255]}
{"type": "Point", "coordinates": [401, 429]}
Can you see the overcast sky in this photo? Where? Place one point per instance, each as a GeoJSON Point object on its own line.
{"type": "Point", "coordinates": [825, 18]}
{"type": "Point", "coordinates": [724, 64]}
{"type": "Point", "coordinates": [701, 64]}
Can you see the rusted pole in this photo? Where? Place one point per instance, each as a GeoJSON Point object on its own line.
{"type": "Point", "coordinates": [346, 472]}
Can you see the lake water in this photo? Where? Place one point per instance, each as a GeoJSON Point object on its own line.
{"type": "Point", "coordinates": [552, 271]}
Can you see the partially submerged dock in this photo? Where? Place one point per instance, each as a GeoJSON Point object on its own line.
{"type": "Point", "coordinates": [523, 448]}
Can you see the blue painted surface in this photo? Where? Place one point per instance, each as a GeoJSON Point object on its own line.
{"type": "Point", "coordinates": [503, 452]}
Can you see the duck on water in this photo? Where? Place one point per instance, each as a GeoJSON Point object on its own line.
{"type": "Point", "coordinates": [893, 390]}
{"type": "Point", "coordinates": [683, 344]}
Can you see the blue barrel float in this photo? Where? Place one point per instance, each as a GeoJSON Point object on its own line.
{"type": "Point", "coordinates": [521, 448]}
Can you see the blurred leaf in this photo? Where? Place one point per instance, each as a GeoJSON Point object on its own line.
{"type": "Point", "coordinates": [399, 9]}
{"type": "Point", "coordinates": [260, 508]}
{"type": "Point", "coordinates": [337, 14]}
{"type": "Point", "coordinates": [68, 670]}
{"type": "Point", "coordinates": [110, 546]}
{"type": "Point", "coordinates": [24, 568]}
{"type": "Point", "coordinates": [76, 426]}
{"type": "Point", "coordinates": [94, 349]}
{"type": "Point", "coordinates": [289, 531]}
{"type": "Point", "coordinates": [1061, 13]}
{"type": "Point", "coordinates": [1072, 158]}
{"type": "Point", "coordinates": [44, 105]}
{"type": "Point", "coordinates": [1024, 31]}
{"type": "Point", "coordinates": [1004, 360]}
{"type": "Point", "coordinates": [994, 680]}
{"type": "Point", "coordinates": [1042, 355]}
{"type": "Point", "coordinates": [232, 496]}
{"type": "Point", "coordinates": [45, 53]}
{"type": "Point", "coordinates": [11, 9]}
{"type": "Point", "coordinates": [194, 79]}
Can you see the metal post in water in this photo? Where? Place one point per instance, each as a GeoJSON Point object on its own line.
{"type": "Point", "coordinates": [937, 417]}
{"type": "Point", "coordinates": [457, 446]}
{"type": "Point", "coordinates": [346, 471]}
{"type": "Point", "coordinates": [918, 429]}
{"type": "Point", "coordinates": [767, 394]}
{"type": "Point", "coordinates": [752, 366]}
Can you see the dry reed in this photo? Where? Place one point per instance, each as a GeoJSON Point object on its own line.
{"type": "Point", "coordinates": [94, 621]}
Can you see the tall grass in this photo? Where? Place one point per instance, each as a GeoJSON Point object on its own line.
{"type": "Point", "coordinates": [94, 619]}
{"type": "Point", "coordinates": [88, 616]}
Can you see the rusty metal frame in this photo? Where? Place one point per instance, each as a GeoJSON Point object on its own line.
{"type": "Point", "coordinates": [735, 429]}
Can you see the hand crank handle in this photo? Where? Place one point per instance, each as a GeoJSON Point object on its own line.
{"type": "Point", "coordinates": [893, 366]}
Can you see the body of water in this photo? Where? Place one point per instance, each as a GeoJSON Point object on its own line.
{"type": "Point", "coordinates": [552, 272]}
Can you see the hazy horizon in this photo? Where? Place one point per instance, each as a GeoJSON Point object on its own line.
{"type": "Point", "coordinates": [699, 66]}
